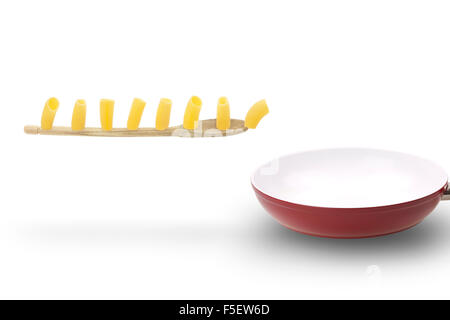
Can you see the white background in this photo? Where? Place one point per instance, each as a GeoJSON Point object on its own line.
{"type": "Point", "coordinates": [176, 218]}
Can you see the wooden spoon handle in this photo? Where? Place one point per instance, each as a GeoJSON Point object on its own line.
{"type": "Point", "coordinates": [205, 128]}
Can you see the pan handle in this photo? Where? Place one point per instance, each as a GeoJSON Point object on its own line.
{"type": "Point", "coordinates": [446, 194]}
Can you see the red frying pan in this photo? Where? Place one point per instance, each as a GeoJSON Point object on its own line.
{"type": "Point", "coordinates": [350, 193]}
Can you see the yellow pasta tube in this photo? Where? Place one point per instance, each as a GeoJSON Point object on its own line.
{"type": "Point", "coordinates": [49, 112]}
{"type": "Point", "coordinates": [163, 114]}
{"type": "Point", "coordinates": [192, 113]}
{"type": "Point", "coordinates": [223, 114]}
{"type": "Point", "coordinates": [134, 118]}
{"type": "Point", "coordinates": [79, 115]}
{"type": "Point", "coordinates": [106, 113]}
{"type": "Point", "coordinates": [255, 114]}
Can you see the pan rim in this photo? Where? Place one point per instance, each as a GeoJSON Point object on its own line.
{"type": "Point", "coordinates": [440, 189]}
{"type": "Point", "coordinates": [389, 207]}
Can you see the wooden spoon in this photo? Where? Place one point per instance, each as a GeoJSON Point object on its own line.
{"type": "Point", "coordinates": [205, 128]}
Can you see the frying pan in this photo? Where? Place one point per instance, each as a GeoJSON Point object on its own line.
{"type": "Point", "coordinates": [350, 193]}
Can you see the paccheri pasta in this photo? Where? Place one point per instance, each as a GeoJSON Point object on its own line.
{"type": "Point", "coordinates": [223, 114]}
{"type": "Point", "coordinates": [79, 115]}
{"type": "Point", "coordinates": [106, 114]}
{"type": "Point", "coordinates": [192, 112]}
{"type": "Point", "coordinates": [163, 114]}
{"type": "Point", "coordinates": [49, 112]}
{"type": "Point", "coordinates": [255, 114]}
{"type": "Point", "coordinates": [137, 108]}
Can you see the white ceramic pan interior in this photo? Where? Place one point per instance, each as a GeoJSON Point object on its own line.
{"type": "Point", "coordinates": [349, 178]}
